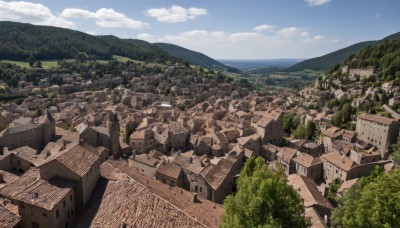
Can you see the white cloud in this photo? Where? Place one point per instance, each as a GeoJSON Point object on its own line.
{"type": "Point", "coordinates": [289, 42]}
{"type": "Point", "coordinates": [147, 37]}
{"type": "Point", "coordinates": [264, 27]}
{"type": "Point", "coordinates": [34, 13]}
{"type": "Point", "coordinates": [175, 14]}
{"type": "Point", "coordinates": [292, 32]}
{"type": "Point", "coordinates": [317, 2]}
{"type": "Point", "coordinates": [105, 17]}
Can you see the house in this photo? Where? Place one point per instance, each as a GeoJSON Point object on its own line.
{"type": "Point", "coordinates": [219, 178]}
{"type": "Point", "coordinates": [170, 174]}
{"type": "Point", "coordinates": [308, 166]}
{"type": "Point", "coordinates": [285, 158]}
{"type": "Point", "coordinates": [76, 164]}
{"type": "Point", "coordinates": [380, 131]}
{"type": "Point", "coordinates": [269, 151]}
{"type": "Point", "coordinates": [8, 218]}
{"type": "Point", "coordinates": [25, 132]}
{"type": "Point", "coordinates": [48, 203]}
{"type": "Point", "coordinates": [142, 141]}
{"type": "Point", "coordinates": [251, 142]}
{"type": "Point", "coordinates": [312, 198]}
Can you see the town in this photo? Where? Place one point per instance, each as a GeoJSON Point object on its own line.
{"type": "Point", "coordinates": [174, 139]}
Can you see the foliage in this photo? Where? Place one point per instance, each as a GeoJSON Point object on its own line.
{"type": "Point", "coordinates": [24, 41]}
{"type": "Point", "coordinates": [264, 199]}
{"type": "Point", "coordinates": [305, 131]}
{"type": "Point", "coordinates": [373, 202]}
{"type": "Point", "coordinates": [329, 61]}
{"type": "Point", "coordinates": [396, 151]}
{"type": "Point", "coordinates": [290, 122]}
{"type": "Point", "coordinates": [342, 118]}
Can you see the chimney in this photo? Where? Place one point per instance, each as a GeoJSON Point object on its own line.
{"type": "Point", "coordinates": [194, 200]}
{"type": "Point", "coordinates": [2, 178]}
{"type": "Point", "coordinates": [190, 160]}
{"type": "Point", "coordinates": [5, 150]}
{"type": "Point", "coordinates": [35, 195]}
{"type": "Point", "coordinates": [81, 142]}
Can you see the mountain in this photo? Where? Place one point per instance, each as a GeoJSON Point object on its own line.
{"type": "Point", "coordinates": [194, 58]}
{"type": "Point", "coordinates": [18, 41]}
{"type": "Point", "coordinates": [327, 61]}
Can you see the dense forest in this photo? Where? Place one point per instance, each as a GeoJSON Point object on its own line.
{"type": "Point", "coordinates": [328, 61]}
{"type": "Point", "coordinates": [19, 41]}
{"type": "Point", "coordinates": [384, 58]}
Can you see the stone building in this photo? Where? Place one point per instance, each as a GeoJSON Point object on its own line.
{"type": "Point", "coordinates": [27, 132]}
{"type": "Point", "coordinates": [378, 130]}
{"type": "Point", "coordinates": [142, 141]}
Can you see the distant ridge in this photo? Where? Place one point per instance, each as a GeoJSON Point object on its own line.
{"type": "Point", "coordinates": [19, 41]}
{"type": "Point", "coordinates": [328, 61]}
{"type": "Point", "coordinates": [194, 58]}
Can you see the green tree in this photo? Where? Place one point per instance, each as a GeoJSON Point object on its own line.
{"type": "Point", "coordinates": [31, 60]}
{"type": "Point", "coordinates": [264, 199]}
{"type": "Point", "coordinates": [301, 132]}
{"type": "Point", "coordinates": [396, 151]}
{"type": "Point", "coordinates": [373, 202]}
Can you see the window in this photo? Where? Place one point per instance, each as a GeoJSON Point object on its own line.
{"type": "Point", "coordinates": [201, 189]}
{"type": "Point", "coordinates": [44, 214]}
{"type": "Point", "coordinates": [70, 198]}
{"type": "Point", "coordinates": [64, 203]}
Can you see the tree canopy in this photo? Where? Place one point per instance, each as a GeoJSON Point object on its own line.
{"type": "Point", "coordinates": [264, 199]}
{"type": "Point", "coordinates": [373, 202]}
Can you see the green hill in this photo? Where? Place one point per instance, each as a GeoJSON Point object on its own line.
{"type": "Point", "coordinates": [328, 61]}
{"type": "Point", "coordinates": [194, 58]}
{"type": "Point", "coordinates": [19, 40]}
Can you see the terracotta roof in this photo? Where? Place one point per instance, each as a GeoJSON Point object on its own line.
{"type": "Point", "coordinates": [8, 219]}
{"type": "Point", "coordinates": [346, 185]}
{"type": "Point", "coordinates": [78, 159]}
{"type": "Point", "coordinates": [20, 184]}
{"type": "Point", "coordinates": [263, 122]}
{"type": "Point", "coordinates": [287, 154]}
{"type": "Point", "coordinates": [216, 174]}
{"type": "Point", "coordinates": [315, 218]}
{"type": "Point", "coordinates": [154, 204]}
{"type": "Point", "coordinates": [244, 140]}
{"type": "Point", "coordinates": [340, 161]}
{"type": "Point", "coordinates": [332, 132]}
{"type": "Point", "coordinates": [271, 148]}
{"type": "Point", "coordinates": [378, 119]}
{"type": "Point", "coordinates": [306, 160]}
{"type": "Point", "coordinates": [146, 159]}
{"type": "Point", "coordinates": [308, 191]}
{"type": "Point", "coordinates": [170, 170]}
{"type": "Point", "coordinates": [46, 194]}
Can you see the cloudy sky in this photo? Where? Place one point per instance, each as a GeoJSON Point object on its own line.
{"type": "Point", "coordinates": [222, 29]}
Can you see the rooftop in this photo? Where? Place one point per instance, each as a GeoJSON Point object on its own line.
{"type": "Point", "coordinates": [378, 119]}
{"type": "Point", "coordinates": [46, 194]}
{"type": "Point", "coordinates": [8, 219]}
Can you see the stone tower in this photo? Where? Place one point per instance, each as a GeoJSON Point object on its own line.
{"type": "Point", "coordinates": [113, 129]}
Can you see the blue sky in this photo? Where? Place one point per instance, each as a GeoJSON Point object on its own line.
{"type": "Point", "coordinates": [222, 29]}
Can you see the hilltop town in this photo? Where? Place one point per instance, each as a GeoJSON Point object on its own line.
{"type": "Point", "coordinates": [124, 143]}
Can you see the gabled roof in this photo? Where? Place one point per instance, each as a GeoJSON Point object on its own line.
{"type": "Point", "coordinates": [77, 159]}
{"type": "Point", "coordinates": [8, 219]}
{"type": "Point", "coordinates": [340, 161]}
{"type": "Point", "coordinates": [169, 170]}
{"type": "Point", "coordinates": [306, 160]}
{"type": "Point", "coordinates": [308, 191]}
{"type": "Point", "coordinates": [216, 174]}
{"type": "Point", "coordinates": [287, 154]}
{"type": "Point", "coordinates": [46, 194]}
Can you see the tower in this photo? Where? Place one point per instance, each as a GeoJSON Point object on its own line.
{"type": "Point", "coordinates": [113, 129]}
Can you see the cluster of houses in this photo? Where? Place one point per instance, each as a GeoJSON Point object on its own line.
{"type": "Point", "coordinates": [87, 157]}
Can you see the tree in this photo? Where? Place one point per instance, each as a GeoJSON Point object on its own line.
{"type": "Point", "coordinates": [264, 199]}
{"type": "Point", "coordinates": [301, 132]}
{"type": "Point", "coordinates": [31, 60]}
{"type": "Point", "coordinates": [396, 151]}
{"type": "Point", "coordinates": [373, 202]}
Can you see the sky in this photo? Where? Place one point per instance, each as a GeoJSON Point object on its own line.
{"type": "Point", "coordinates": [222, 29]}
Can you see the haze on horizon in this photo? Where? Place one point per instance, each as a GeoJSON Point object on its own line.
{"type": "Point", "coordinates": [262, 29]}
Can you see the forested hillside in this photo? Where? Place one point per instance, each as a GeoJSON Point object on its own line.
{"type": "Point", "coordinates": [18, 41]}
{"type": "Point", "coordinates": [328, 61]}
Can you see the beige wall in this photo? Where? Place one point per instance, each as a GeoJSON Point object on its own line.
{"type": "Point", "coordinates": [66, 214]}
